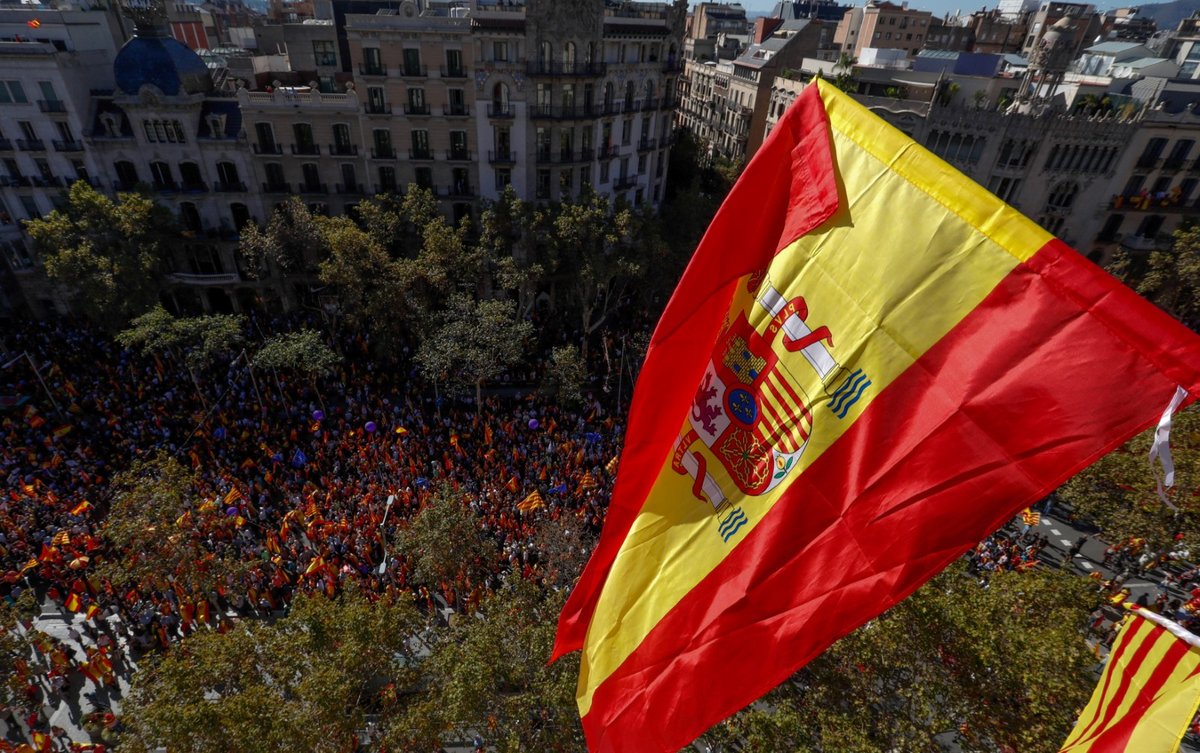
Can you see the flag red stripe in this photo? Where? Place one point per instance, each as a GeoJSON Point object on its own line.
{"type": "Point", "coordinates": [798, 165]}
{"type": "Point", "coordinates": [1130, 637]}
{"type": "Point", "coordinates": [851, 536]}
{"type": "Point", "coordinates": [781, 428]}
{"type": "Point", "coordinates": [1116, 736]}
{"type": "Point", "coordinates": [1125, 674]}
{"type": "Point", "coordinates": [784, 393]}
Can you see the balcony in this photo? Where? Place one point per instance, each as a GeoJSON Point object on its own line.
{"type": "Point", "coordinates": [277, 187]}
{"type": "Point", "coordinates": [194, 187]}
{"type": "Point", "coordinates": [567, 156]}
{"type": "Point", "coordinates": [564, 112]}
{"type": "Point", "coordinates": [606, 152]}
{"type": "Point", "coordinates": [1173, 163]}
{"type": "Point", "coordinates": [365, 69]}
{"type": "Point", "coordinates": [625, 182]}
{"type": "Point", "coordinates": [1144, 162]}
{"type": "Point", "coordinates": [456, 72]}
{"type": "Point", "coordinates": [646, 145]}
{"type": "Point", "coordinates": [383, 153]}
{"type": "Point", "coordinates": [165, 186]}
{"type": "Point", "coordinates": [343, 150]}
{"type": "Point", "coordinates": [121, 185]}
{"type": "Point", "coordinates": [267, 148]}
{"type": "Point", "coordinates": [1169, 203]}
{"type": "Point", "coordinates": [218, 278]}
{"type": "Point", "coordinates": [498, 110]}
{"type": "Point", "coordinates": [650, 103]}
{"type": "Point", "coordinates": [314, 188]}
{"type": "Point", "coordinates": [68, 146]}
{"type": "Point", "coordinates": [227, 187]}
{"type": "Point", "coordinates": [377, 108]}
{"type": "Point", "coordinates": [456, 111]}
{"type": "Point", "coordinates": [31, 145]}
{"type": "Point", "coordinates": [411, 109]}
{"type": "Point", "coordinates": [349, 189]}
{"type": "Point", "coordinates": [413, 71]}
{"type": "Point", "coordinates": [6, 145]}
{"type": "Point", "coordinates": [459, 155]}
{"type": "Point", "coordinates": [48, 181]}
{"type": "Point", "coordinates": [311, 149]}
{"type": "Point", "coordinates": [421, 154]}
{"type": "Point", "coordinates": [558, 68]}
{"type": "Point", "coordinates": [52, 105]}
{"type": "Point", "coordinates": [502, 158]}
{"type": "Point", "coordinates": [631, 105]}
{"type": "Point", "coordinates": [460, 191]}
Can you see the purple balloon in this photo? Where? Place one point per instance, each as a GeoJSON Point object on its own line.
{"type": "Point", "coordinates": [231, 511]}
{"type": "Point", "coordinates": [370, 427]}
{"type": "Point", "coordinates": [533, 423]}
{"type": "Point", "coordinates": [318, 415]}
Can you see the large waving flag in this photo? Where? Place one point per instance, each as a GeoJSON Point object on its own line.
{"type": "Point", "coordinates": [869, 365]}
{"type": "Point", "coordinates": [1148, 693]}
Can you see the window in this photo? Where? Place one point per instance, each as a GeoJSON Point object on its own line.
{"type": "Point", "coordinates": [12, 92]}
{"type": "Point", "coordinates": [164, 131]}
{"type": "Point", "coordinates": [412, 62]}
{"type": "Point", "coordinates": [48, 92]}
{"type": "Point", "coordinates": [458, 145]}
{"type": "Point", "coordinates": [27, 130]}
{"type": "Point", "coordinates": [420, 144]}
{"type": "Point", "coordinates": [64, 132]}
{"type": "Point", "coordinates": [81, 171]}
{"type": "Point", "coordinates": [503, 178]}
{"type": "Point", "coordinates": [312, 177]}
{"type": "Point", "coordinates": [454, 63]}
{"type": "Point", "coordinates": [568, 57]}
{"type": "Point", "coordinates": [31, 207]}
{"type": "Point", "coordinates": [626, 131]}
{"type": "Point", "coordinates": [544, 92]}
{"type": "Point", "coordinates": [416, 102]}
{"type": "Point", "coordinates": [1062, 196]}
{"type": "Point", "coordinates": [424, 177]}
{"type": "Point", "coordinates": [566, 182]}
{"type": "Point", "coordinates": [227, 174]}
{"type": "Point", "coordinates": [387, 179]}
{"type": "Point", "coordinates": [1150, 226]}
{"type": "Point", "coordinates": [375, 100]}
{"type": "Point", "coordinates": [324, 52]}
{"type": "Point", "coordinates": [499, 99]}
{"type": "Point", "coordinates": [160, 173]}
{"type": "Point", "coordinates": [341, 139]}
{"type": "Point", "coordinates": [274, 172]}
{"type": "Point", "coordinates": [241, 216]}
{"type": "Point", "coordinates": [585, 176]}
{"type": "Point", "coordinates": [500, 51]}
{"type": "Point", "coordinates": [189, 217]}
{"type": "Point", "coordinates": [372, 62]}
{"type": "Point", "coordinates": [543, 184]}
{"type": "Point", "coordinates": [383, 143]}
{"type": "Point", "coordinates": [266, 137]}
{"type": "Point", "coordinates": [43, 168]}
{"type": "Point", "coordinates": [542, 141]}
{"type": "Point", "coordinates": [189, 176]}
{"type": "Point", "coordinates": [302, 133]}
{"type": "Point", "coordinates": [604, 171]}
{"type": "Point", "coordinates": [349, 179]}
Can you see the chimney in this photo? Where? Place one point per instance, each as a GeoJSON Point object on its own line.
{"type": "Point", "coordinates": [764, 27]}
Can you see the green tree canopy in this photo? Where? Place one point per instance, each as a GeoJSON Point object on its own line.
{"type": "Point", "coordinates": [444, 540]}
{"type": "Point", "coordinates": [109, 254]}
{"type": "Point", "coordinates": [306, 682]}
{"type": "Point", "coordinates": [472, 342]}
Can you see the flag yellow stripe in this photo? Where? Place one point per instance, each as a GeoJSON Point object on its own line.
{"type": "Point", "coordinates": [1130, 636]}
{"type": "Point", "coordinates": [957, 253]}
{"type": "Point", "coordinates": [1167, 719]}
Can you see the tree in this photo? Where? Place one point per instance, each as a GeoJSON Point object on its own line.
{"type": "Point", "coordinates": [444, 540]}
{"type": "Point", "coordinates": [157, 528]}
{"type": "Point", "coordinates": [472, 342]}
{"type": "Point", "coordinates": [301, 352]}
{"type": "Point", "coordinates": [511, 232]}
{"type": "Point", "coordinates": [292, 241]}
{"type": "Point", "coordinates": [1118, 493]}
{"type": "Point", "coordinates": [196, 342]}
{"type": "Point", "coordinates": [565, 377]}
{"type": "Point", "coordinates": [1005, 665]}
{"type": "Point", "coordinates": [370, 285]}
{"type": "Point", "coordinates": [595, 257]}
{"type": "Point", "coordinates": [108, 254]}
{"type": "Point", "coordinates": [1168, 277]}
{"type": "Point", "coordinates": [16, 645]}
{"type": "Point", "coordinates": [306, 682]}
{"type": "Point", "coordinates": [487, 675]}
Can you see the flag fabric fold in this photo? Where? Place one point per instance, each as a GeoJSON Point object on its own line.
{"type": "Point", "coordinates": [869, 364]}
{"type": "Point", "coordinates": [1148, 693]}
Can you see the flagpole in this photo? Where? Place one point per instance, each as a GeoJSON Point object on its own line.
{"type": "Point", "coordinates": [383, 565]}
{"type": "Point", "coordinates": [37, 372]}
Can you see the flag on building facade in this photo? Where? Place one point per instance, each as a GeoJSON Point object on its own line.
{"type": "Point", "coordinates": [1148, 693]}
{"type": "Point", "coordinates": [870, 364]}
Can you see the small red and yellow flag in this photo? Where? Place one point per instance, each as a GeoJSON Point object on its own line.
{"type": "Point", "coordinates": [611, 466]}
{"type": "Point", "coordinates": [1148, 693]}
{"type": "Point", "coordinates": [62, 431]}
{"type": "Point", "coordinates": [73, 602]}
{"type": "Point", "coordinates": [533, 501]}
{"type": "Point", "coordinates": [1030, 518]}
{"type": "Point", "coordinates": [62, 538]}
{"type": "Point", "coordinates": [81, 508]}
{"type": "Point", "coordinates": [512, 484]}
{"type": "Point", "coordinates": [92, 610]}
{"type": "Point", "coordinates": [588, 482]}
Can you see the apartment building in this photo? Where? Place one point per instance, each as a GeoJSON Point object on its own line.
{"type": "Point", "coordinates": [883, 25]}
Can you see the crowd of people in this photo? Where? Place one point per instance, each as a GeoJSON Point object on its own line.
{"type": "Point", "coordinates": [303, 486]}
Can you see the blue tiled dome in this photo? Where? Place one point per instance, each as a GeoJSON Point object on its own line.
{"type": "Point", "coordinates": [163, 62]}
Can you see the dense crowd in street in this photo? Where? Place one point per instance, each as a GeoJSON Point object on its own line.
{"type": "Point", "coordinates": [293, 483]}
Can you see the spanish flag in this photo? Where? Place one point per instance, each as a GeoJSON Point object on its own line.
{"type": "Point", "coordinates": [73, 603]}
{"type": "Point", "coordinates": [81, 508]}
{"type": "Point", "coordinates": [1148, 693]}
{"type": "Point", "coordinates": [869, 365]}
{"type": "Point", "coordinates": [512, 484]}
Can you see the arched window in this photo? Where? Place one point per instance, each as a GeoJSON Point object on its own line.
{"type": "Point", "coordinates": [648, 97]}
{"type": "Point", "coordinates": [568, 58]}
{"type": "Point", "coordinates": [608, 96]}
{"type": "Point", "coordinates": [629, 96]}
{"type": "Point", "coordinates": [189, 217]}
{"type": "Point", "coordinates": [241, 216]}
{"type": "Point", "coordinates": [1062, 196]}
{"type": "Point", "coordinates": [545, 55]}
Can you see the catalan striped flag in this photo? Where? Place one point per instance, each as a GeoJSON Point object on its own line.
{"type": "Point", "coordinates": [62, 538]}
{"type": "Point", "coordinates": [870, 364]}
{"type": "Point", "coordinates": [1148, 693]}
{"type": "Point", "coordinates": [588, 482]}
{"type": "Point", "coordinates": [611, 466]}
{"type": "Point", "coordinates": [233, 496]}
{"type": "Point", "coordinates": [1030, 518]}
{"type": "Point", "coordinates": [533, 501]}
